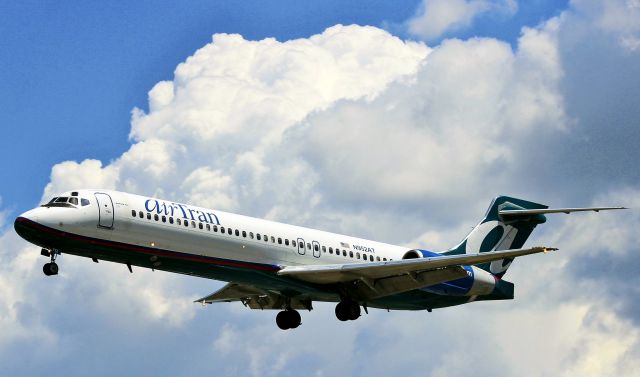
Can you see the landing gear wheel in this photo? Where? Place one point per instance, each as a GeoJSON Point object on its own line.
{"type": "Point", "coordinates": [354, 311]}
{"type": "Point", "coordinates": [281, 320]}
{"type": "Point", "coordinates": [288, 319]}
{"type": "Point", "coordinates": [347, 310]}
{"type": "Point", "coordinates": [50, 269]}
{"type": "Point", "coordinates": [294, 318]}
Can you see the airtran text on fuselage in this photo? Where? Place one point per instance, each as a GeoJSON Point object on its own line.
{"type": "Point", "coordinates": [175, 209]}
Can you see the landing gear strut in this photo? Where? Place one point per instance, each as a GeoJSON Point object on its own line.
{"type": "Point", "coordinates": [288, 319]}
{"type": "Point", "coordinates": [347, 310]}
{"type": "Point", "coordinates": [50, 268]}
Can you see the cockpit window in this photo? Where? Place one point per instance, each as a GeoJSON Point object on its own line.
{"type": "Point", "coordinates": [65, 201]}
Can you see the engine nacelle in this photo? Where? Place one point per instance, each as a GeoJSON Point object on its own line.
{"type": "Point", "coordinates": [419, 253]}
{"type": "Point", "coordinates": [477, 282]}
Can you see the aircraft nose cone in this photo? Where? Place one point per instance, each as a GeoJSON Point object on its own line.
{"type": "Point", "coordinates": [21, 224]}
{"type": "Point", "coordinates": [31, 215]}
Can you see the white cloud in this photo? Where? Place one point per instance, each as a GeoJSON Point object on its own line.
{"type": "Point", "coordinates": [87, 174]}
{"type": "Point", "coordinates": [618, 18]}
{"type": "Point", "coordinates": [436, 18]}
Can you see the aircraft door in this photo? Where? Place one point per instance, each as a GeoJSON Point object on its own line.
{"type": "Point", "coordinates": [105, 210]}
{"type": "Point", "coordinates": [316, 249]}
{"type": "Point", "coordinates": [300, 246]}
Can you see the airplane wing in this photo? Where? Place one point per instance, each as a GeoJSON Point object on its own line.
{"type": "Point", "coordinates": [374, 280]}
{"type": "Point", "coordinates": [371, 280]}
{"type": "Point", "coordinates": [232, 292]}
{"type": "Point", "coordinates": [256, 298]}
{"type": "Point", "coordinates": [335, 273]}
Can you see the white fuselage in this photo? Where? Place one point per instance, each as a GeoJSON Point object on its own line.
{"type": "Point", "coordinates": [166, 225]}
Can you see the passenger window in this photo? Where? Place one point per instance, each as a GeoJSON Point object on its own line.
{"type": "Point", "coordinates": [357, 255]}
{"type": "Point", "coordinates": [222, 229]}
{"type": "Point", "coordinates": [384, 259]}
{"type": "Point", "coordinates": [170, 220]}
{"type": "Point", "coordinates": [200, 226]}
{"type": "Point", "coordinates": [324, 249]}
{"type": "Point", "coordinates": [371, 258]}
{"type": "Point", "coordinates": [279, 241]}
{"type": "Point", "coordinates": [186, 223]}
{"type": "Point", "coordinates": [164, 219]}
{"type": "Point", "coordinates": [344, 253]}
{"type": "Point", "coordinates": [293, 243]}
{"type": "Point", "coordinates": [85, 202]}
{"type": "Point", "coordinates": [286, 242]}
{"type": "Point", "coordinates": [251, 235]}
{"type": "Point", "coordinates": [273, 239]}
{"type": "Point", "coordinates": [140, 214]}
{"type": "Point", "coordinates": [350, 254]}
{"type": "Point", "coordinates": [215, 228]}
{"type": "Point", "coordinates": [230, 231]}
{"type": "Point", "coordinates": [266, 238]}
{"type": "Point", "coordinates": [208, 227]}
{"type": "Point", "coordinates": [244, 234]}
{"type": "Point", "coordinates": [133, 213]}
{"type": "Point", "coordinates": [155, 217]}
{"type": "Point", "coordinates": [237, 233]}
{"type": "Point", "coordinates": [308, 246]}
{"type": "Point", "coordinates": [378, 259]}
{"type": "Point", "coordinates": [178, 221]}
{"type": "Point", "coordinates": [330, 250]}
{"type": "Point", "coordinates": [75, 202]}
{"type": "Point", "coordinates": [258, 236]}
{"type": "Point", "coordinates": [193, 224]}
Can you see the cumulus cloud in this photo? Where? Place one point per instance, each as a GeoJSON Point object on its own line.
{"type": "Point", "coordinates": [620, 17]}
{"type": "Point", "coordinates": [357, 131]}
{"type": "Point", "coordinates": [436, 18]}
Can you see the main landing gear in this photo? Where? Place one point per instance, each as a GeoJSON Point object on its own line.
{"type": "Point", "coordinates": [347, 310]}
{"type": "Point", "coordinates": [50, 268]}
{"type": "Point", "coordinates": [288, 319]}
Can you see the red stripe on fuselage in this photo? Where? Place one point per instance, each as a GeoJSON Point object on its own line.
{"type": "Point", "coordinates": [145, 250]}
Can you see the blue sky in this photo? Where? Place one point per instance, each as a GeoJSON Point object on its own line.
{"type": "Point", "coordinates": [73, 71]}
{"type": "Point", "coordinates": [400, 129]}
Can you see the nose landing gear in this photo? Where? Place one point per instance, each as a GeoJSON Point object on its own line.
{"type": "Point", "coordinates": [50, 268]}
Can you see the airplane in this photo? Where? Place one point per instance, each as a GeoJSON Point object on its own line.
{"type": "Point", "coordinates": [271, 265]}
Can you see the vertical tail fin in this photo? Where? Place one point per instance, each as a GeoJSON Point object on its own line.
{"type": "Point", "coordinates": [495, 232]}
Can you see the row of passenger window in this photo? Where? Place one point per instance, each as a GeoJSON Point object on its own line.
{"type": "Point", "coordinates": [296, 244]}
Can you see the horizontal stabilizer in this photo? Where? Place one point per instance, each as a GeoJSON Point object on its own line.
{"type": "Point", "coordinates": [527, 212]}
